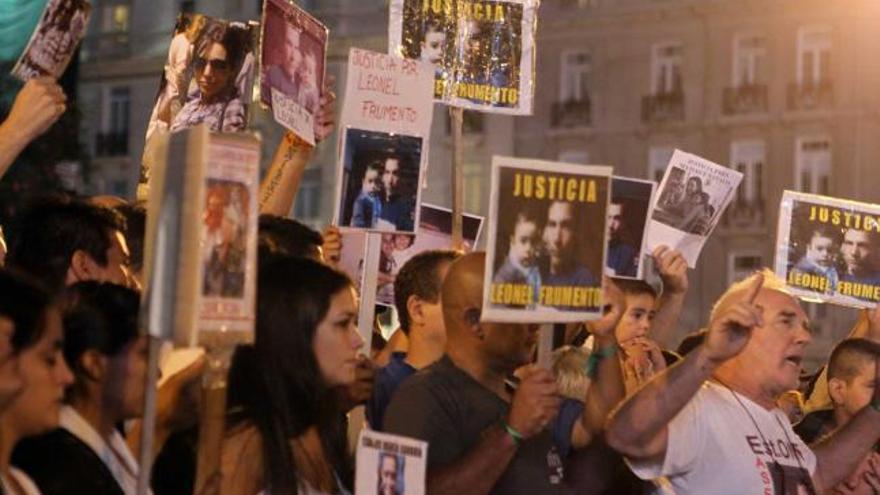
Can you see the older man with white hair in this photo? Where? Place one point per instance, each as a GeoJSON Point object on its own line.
{"type": "Point", "coordinates": [710, 424]}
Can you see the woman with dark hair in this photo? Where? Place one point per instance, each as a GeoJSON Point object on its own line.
{"type": "Point", "coordinates": [36, 347]}
{"type": "Point", "coordinates": [219, 54]}
{"type": "Point", "coordinates": [109, 359]}
{"type": "Point", "coordinates": [286, 437]}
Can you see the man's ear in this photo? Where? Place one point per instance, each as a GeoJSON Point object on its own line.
{"type": "Point", "coordinates": [472, 322]}
{"type": "Point", "coordinates": [837, 391]}
{"type": "Point", "coordinates": [82, 267]}
{"type": "Point", "coordinates": [416, 310]}
{"type": "Point", "coordinates": [93, 365]}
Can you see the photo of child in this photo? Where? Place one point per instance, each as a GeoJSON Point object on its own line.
{"type": "Point", "coordinates": [521, 264]}
{"type": "Point", "coordinates": [820, 256]}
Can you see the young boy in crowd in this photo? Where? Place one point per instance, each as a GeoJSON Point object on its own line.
{"type": "Point", "coordinates": [521, 264]}
{"type": "Point", "coordinates": [851, 380]}
{"type": "Point", "coordinates": [367, 205]}
{"type": "Point", "coordinates": [820, 256]}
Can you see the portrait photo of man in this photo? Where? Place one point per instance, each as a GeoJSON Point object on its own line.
{"type": "Point", "coordinates": [860, 251]}
{"type": "Point", "coordinates": [391, 474]}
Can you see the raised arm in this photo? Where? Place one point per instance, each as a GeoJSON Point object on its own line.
{"type": "Point", "coordinates": [37, 106]}
{"type": "Point", "coordinates": [279, 186]}
{"type": "Point", "coordinates": [607, 388]}
{"type": "Point", "coordinates": [672, 268]}
{"type": "Point", "coordinates": [638, 428]}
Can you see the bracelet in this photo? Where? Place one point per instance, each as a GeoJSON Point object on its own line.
{"type": "Point", "coordinates": [515, 435]}
{"type": "Point", "coordinates": [596, 357]}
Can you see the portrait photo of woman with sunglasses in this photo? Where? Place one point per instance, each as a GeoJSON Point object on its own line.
{"type": "Point", "coordinates": [216, 98]}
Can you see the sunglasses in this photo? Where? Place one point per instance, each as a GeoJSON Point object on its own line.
{"type": "Point", "coordinates": [216, 64]}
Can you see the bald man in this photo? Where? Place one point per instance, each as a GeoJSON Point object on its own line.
{"type": "Point", "coordinates": [486, 436]}
{"type": "Point", "coordinates": [710, 424]}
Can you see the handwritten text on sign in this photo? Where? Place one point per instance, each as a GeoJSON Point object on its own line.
{"type": "Point", "coordinates": [388, 93]}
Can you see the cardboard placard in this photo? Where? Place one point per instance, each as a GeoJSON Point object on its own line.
{"type": "Point", "coordinates": [828, 249]}
{"type": "Point", "coordinates": [547, 238]}
{"type": "Point", "coordinates": [628, 215]}
{"type": "Point", "coordinates": [390, 465]}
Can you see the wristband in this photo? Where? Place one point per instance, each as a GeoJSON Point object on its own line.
{"type": "Point", "coordinates": [596, 357]}
{"type": "Point", "coordinates": [514, 435]}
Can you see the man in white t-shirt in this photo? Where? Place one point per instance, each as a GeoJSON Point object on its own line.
{"type": "Point", "coordinates": [710, 424]}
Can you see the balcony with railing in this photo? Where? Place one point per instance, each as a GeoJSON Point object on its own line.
{"type": "Point", "coordinates": [663, 107]}
{"type": "Point", "coordinates": [571, 113]}
{"type": "Point", "coordinates": [744, 213]}
{"type": "Point", "coordinates": [745, 99]}
{"type": "Point", "coordinates": [811, 96]}
{"type": "Point", "coordinates": [109, 144]}
{"type": "Point", "coordinates": [106, 46]}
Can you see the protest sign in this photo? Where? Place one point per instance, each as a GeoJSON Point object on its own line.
{"type": "Point", "coordinates": [208, 79]}
{"type": "Point", "coordinates": [61, 27]}
{"type": "Point", "coordinates": [383, 146]}
{"type": "Point", "coordinates": [828, 249]}
{"type": "Point", "coordinates": [628, 211]}
{"type": "Point", "coordinates": [293, 61]}
{"type": "Point", "coordinates": [692, 197]}
{"type": "Point", "coordinates": [483, 50]}
{"type": "Point", "coordinates": [201, 239]}
{"type": "Point", "coordinates": [434, 232]}
{"type": "Point", "coordinates": [390, 464]}
{"type": "Point", "coordinates": [547, 237]}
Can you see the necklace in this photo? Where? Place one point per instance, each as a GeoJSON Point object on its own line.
{"type": "Point", "coordinates": [806, 480]}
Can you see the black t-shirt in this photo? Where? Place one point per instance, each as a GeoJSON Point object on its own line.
{"type": "Point", "coordinates": [444, 406]}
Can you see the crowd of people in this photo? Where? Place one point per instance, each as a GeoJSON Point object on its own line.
{"type": "Point", "coordinates": [615, 413]}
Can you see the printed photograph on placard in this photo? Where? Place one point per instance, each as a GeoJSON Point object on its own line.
{"type": "Point", "coordinates": [390, 465]}
{"type": "Point", "coordinates": [293, 61]}
{"type": "Point", "coordinates": [547, 239]}
{"type": "Point", "coordinates": [208, 78]}
{"type": "Point", "coordinates": [691, 199]}
{"type": "Point", "coordinates": [434, 232]}
{"type": "Point", "coordinates": [627, 223]}
{"type": "Point", "coordinates": [224, 251]}
{"type": "Point", "coordinates": [829, 249]}
{"type": "Point", "coordinates": [54, 41]}
{"type": "Point", "coordinates": [379, 178]}
{"type": "Point", "coordinates": [483, 50]}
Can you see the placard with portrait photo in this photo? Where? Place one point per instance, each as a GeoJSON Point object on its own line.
{"type": "Point", "coordinates": [208, 79]}
{"type": "Point", "coordinates": [828, 249]}
{"type": "Point", "coordinates": [483, 51]}
{"type": "Point", "coordinates": [390, 464]}
{"type": "Point", "coordinates": [292, 61]}
{"type": "Point", "coordinates": [691, 199]}
{"type": "Point", "coordinates": [545, 253]}
{"type": "Point", "coordinates": [628, 214]}
{"type": "Point", "coordinates": [55, 39]}
{"type": "Point", "coordinates": [378, 181]}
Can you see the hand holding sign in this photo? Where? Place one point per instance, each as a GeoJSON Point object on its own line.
{"type": "Point", "coordinates": [730, 331]}
{"type": "Point", "coordinates": [37, 106]}
{"type": "Point", "coordinates": [325, 120]}
{"type": "Point", "coordinates": [672, 268]}
{"type": "Point", "coordinates": [535, 402]}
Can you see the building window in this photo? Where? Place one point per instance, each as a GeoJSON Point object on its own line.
{"type": "Point", "coordinates": [813, 165]}
{"type": "Point", "coordinates": [579, 157]}
{"type": "Point", "coordinates": [741, 265]}
{"type": "Point", "coordinates": [666, 69]}
{"type": "Point", "coordinates": [113, 140]}
{"type": "Point", "coordinates": [575, 76]}
{"type": "Point", "coordinates": [814, 56]}
{"type": "Point", "coordinates": [116, 18]}
{"type": "Point", "coordinates": [749, 65]}
{"type": "Point", "coordinates": [748, 158]}
{"type": "Point", "coordinates": [658, 160]}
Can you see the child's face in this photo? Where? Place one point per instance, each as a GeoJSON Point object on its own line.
{"type": "Point", "coordinates": [821, 251]}
{"type": "Point", "coordinates": [371, 182]}
{"type": "Point", "coordinates": [858, 393]}
{"type": "Point", "coordinates": [309, 72]}
{"type": "Point", "coordinates": [637, 318]}
{"type": "Point", "coordinates": [524, 243]}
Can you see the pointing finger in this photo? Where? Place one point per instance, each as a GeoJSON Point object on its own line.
{"type": "Point", "coordinates": [754, 288]}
